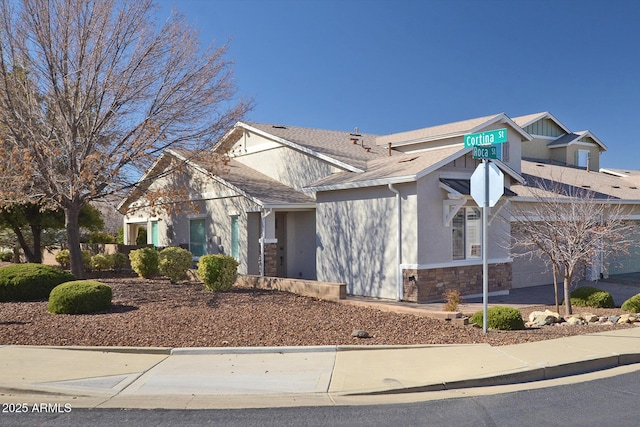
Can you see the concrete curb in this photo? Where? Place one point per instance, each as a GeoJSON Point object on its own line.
{"type": "Point", "coordinates": [125, 350]}
{"type": "Point", "coordinates": [525, 376]}
{"type": "Point", "coordinates": [249, 350]}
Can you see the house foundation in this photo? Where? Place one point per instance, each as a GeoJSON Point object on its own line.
{"type": "Point", "coordinates": [428, 285]}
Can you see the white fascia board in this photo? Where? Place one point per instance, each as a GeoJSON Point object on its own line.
{"type": "Point", "coordinates": [227, 135]}
{"type": "Point", "coordinates": [302, 149]}
{"type": "Point", "coordinates": [509, 171]}
{"type": "Point", "coordinates": [427, 139]}
{"type": "Point", "coordinates": [443, 162]}
{"type": "Point", "coordinates": [589, 134]}
{"type": "Point", "coordinates": [502, 118]}
{"type": "Point", "coordinates": [365, 183]}
{"type": "Point", "coordinates": [547, 115]}
{"type": "Point", "coordinates": [614, 173]}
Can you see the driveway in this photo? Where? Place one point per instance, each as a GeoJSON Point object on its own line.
{"type": "Point", "coordinates": [621, 287]}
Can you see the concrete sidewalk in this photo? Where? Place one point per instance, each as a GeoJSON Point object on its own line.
{"type": "Point", "coordinates": [257, 377]}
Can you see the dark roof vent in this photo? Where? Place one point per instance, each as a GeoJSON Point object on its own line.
{"type": "Point", "coordinates": [615, 186]}
{"type": "Point", "coordinates": [278, 127]}
{"type": "Point", "coordinates": [586, 186]}
{"type": "Point", "coordinates": [411, 159]}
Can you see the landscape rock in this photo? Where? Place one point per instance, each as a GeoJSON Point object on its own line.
{"type": "Point", "coordinates": [543, 318]}
{"type": "Point", "coordinates": [590, 318]}
{"type": "Point", "coordinates": [357, 333]}
{"type": "Point", "coordinates": [575, 320]}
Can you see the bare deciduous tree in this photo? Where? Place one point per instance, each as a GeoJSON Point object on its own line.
{"type": "Point", "coordinates": [92, 90]}
{"type": "Point", "coordinates": [569, 227]}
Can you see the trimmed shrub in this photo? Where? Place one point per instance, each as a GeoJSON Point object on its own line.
{"type": "Point", "coordinates": [30, 282]}
{"type": "Point", "coordinates": [86, 259]}
{"type": "Point", "coordinates": [101, 262]}
{"type": "Point", "coordinates": [218, 272]}
{"type": "Point", "coordinates": [589, 296]}
{"type": "Point", "coordinates": [6, 256]}
{"type": "Point", "coordinates": [64, 259]}
{"type": "Point", "coordinates": [632, 305]}
{"type": "Point", "coordinates": [119, 260]}
{"type": "Point", "coordinates": [501, 318]}
{"type": "Point", "coordinates": [80, 297]}
{"type": "Point", "coordinates": [144, 262]}
{"type": "Point", "coordinates": [99, 237]}
{"type": "Point", "coordinates": [174, 262]}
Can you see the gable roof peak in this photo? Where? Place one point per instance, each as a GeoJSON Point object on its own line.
{"type": "Point", "coordinates": [448, 130]}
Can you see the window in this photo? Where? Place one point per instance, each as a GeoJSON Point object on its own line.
{"type": "Point", "coordinates": [467, 234]}
{"type": "Point", "coordinates": [583, 158]}
{"type": "Point", "coordinates": [197, 237]}
{"type": "Point", "coordinates": [235, 237]}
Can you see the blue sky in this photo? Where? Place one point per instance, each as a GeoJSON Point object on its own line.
{"type": "Point", "coordinates": [394, 65]}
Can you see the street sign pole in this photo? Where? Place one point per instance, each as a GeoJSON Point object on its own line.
{"type": "Point", "coordinates": [485, 260]}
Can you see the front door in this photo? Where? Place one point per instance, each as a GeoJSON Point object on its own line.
{"type": "Point", "coordinates": [197, 237]}
{"type": "Point", "coordinates": [154, 233]}
{"type": "Point", "coordinates": [281, 236]}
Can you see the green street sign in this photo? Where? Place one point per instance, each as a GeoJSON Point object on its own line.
{"type": "Point", "coordinates": [485, 152]}
{"type": "Point", "coordinates": [490, 137]}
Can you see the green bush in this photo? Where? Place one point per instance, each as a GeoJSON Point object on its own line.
{"type": "Point", "coordinates": [632, 305]}
{"type": "Point", "coordinates": [119, 261]}
{"type": "Point", "coordinates": [144, 262]}
{"type": "Point", "coordinates": [80, 297]}
{"type": "Point", "coordinates": [6, 256]}
{"type": "Point", "coordinates": [98, 237]}
{"type": "Point", "coordinates": [101, 262]}
{"type": "Point", "coordinates": [64, 259]}
{"type": "Point", "coordinates": [218, 272]}
{"type": "Point", "coordinates": [589, 296]}
{"type": "Point", "coordinates": [86, 259]}
{"type": "Point", "coordinates": [501, 318]}
{"type": "Point", "coordinates": [30, 282]}
{"type": "Point", "coordinates": [141, 238]}
{"type": "Point", "coordinates": [120, 236]}
{"type": "Point", "coordinates": [174, 262]}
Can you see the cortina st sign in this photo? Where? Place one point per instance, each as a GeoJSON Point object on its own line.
{"type": "Point", "coordinates": [489, 137]}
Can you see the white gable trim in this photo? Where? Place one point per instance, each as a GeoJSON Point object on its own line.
{"type": "Point", "coordinates": [298, 147]}
{"type": "Point", "coordinates": [215, 177]}
{"type": "Point", "coordinates": [547, 115]}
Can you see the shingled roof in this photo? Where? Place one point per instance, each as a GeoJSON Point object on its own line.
{"type": "Point", "coordinates": [603, 185]}
{"type": "Point", "coordinates": [249, 182]}
{"type": "Point", "coordinates": [351, 148]}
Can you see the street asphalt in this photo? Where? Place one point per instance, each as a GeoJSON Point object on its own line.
{"type": "Point", "coordinates": [191, 378]}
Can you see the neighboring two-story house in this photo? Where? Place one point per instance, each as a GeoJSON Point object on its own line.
{"type": "Point", "coordinates": [391, 216]}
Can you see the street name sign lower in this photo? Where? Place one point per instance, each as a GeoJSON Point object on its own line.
{"type": "Point", "coordinates": [496, 184]}
{"type": "Point", "coordinates": [489, 137]}
{"type": "Point", "coordinates": [485, 152]}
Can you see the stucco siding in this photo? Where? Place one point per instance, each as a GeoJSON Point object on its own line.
{"type": "Point", "coordinates": [536, 149]}
{"type": "Point", "coordinates": [301, 245]}
{"type": "Point", "coordinates": [284, 164]}
{"type": "Point", "coordinates": [357, 238]}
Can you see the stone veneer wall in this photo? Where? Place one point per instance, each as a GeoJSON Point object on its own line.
{"type": "Point", "coordinates": [430, 285]}
{"type": "Point", "coordinates": [271, 259]}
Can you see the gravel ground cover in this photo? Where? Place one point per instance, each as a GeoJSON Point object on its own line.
{"type": "Point", "coordinates": [156, 313]}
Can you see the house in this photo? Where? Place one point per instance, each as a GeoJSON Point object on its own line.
{"type": "Point", "coordinates": [391, 216]}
